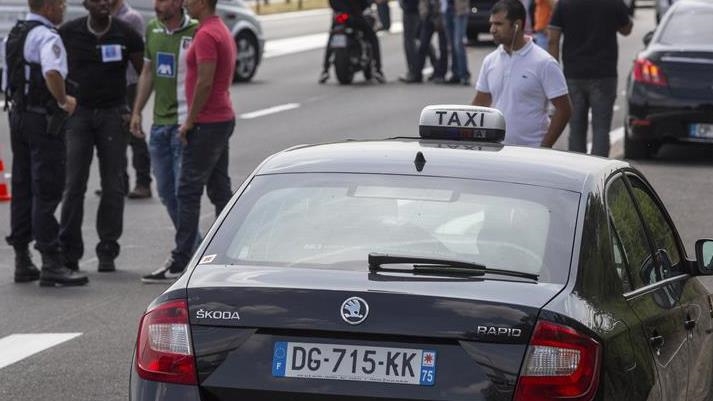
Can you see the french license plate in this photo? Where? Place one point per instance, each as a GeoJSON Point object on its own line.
{"type": "Point", "coordinates": [354, 362]}
{"type": "Point", "coordinates": [338, 40]}
{"type": "Point", "coordinates": [704, 131]}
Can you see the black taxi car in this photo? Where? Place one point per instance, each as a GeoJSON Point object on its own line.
{"type": "Point", "coordinates": [444, 267]}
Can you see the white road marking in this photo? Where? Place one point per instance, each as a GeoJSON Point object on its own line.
{"type": "Point", "coordinates": [17, 347]}
{"type": "Point", "coordinates": [269, 110]}
{"type": "Point", "coordinates": [294, 14]}
{"type": "Point", "coordinates": [283, 47]}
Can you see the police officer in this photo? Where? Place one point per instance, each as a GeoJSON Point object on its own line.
{"type": "Point", "coordinates": [38, 106]}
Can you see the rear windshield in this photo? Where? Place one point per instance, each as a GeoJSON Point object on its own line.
{"type": "Point", "coordinates": [334, 221]}
{"type": "Point", "coordinates": [689, 26]}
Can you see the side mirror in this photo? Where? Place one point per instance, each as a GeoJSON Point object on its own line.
{"type": "Point", "coordinates": [704, 255]}
{"type": "Point", "coordinates": [647, 38]}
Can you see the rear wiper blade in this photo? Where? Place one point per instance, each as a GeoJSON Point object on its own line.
{"type": "Point", "coordinates": [438, 266]}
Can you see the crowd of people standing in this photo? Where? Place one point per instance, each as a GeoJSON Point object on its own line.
{"type": "Point", "coordinates": [81, 89]}
{"type": "Point", "coordinates": [81, 97]}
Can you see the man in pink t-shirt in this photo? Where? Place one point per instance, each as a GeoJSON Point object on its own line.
{"type": "Point", "coordinates": [205, 133]}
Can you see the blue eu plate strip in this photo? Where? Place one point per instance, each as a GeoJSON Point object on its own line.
{"type": "Point", "coordinates": [279, 359]}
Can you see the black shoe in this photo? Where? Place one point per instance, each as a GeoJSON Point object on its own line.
{"type": "Point", "coordinates": [453, 80]}
{"type": "Point", "coordinates": [410, 79]}
{"type": "Point", "coordinates": [106, 265]}
{"type": "Point", "coordinates": [54, 273]}
{"type": "Point", "coordinates": [166, 274]}
{"type": "Point", "coordinates": [323, 77]}
{"type": "Point", "coordinates": [140, 192]}
{"type": "Point", "coordinates": [72, 265]}
{"type": "Point", "coordinates": [25, 270]}
{"type": "Point", "coordinates": [379, 77]}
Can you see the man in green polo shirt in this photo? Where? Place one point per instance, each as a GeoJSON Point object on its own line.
{"type": "Point", "coordinates": [168, 37]}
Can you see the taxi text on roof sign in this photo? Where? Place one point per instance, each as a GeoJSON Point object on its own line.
{"type": "Point", "coordinates": [462, 123]}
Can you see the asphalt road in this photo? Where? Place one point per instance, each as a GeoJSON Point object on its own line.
{"type": "Point", "coordinates": [283, 106]}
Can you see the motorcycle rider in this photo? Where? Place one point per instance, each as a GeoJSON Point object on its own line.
{"type": "Point", "coordinates": [355, 9]}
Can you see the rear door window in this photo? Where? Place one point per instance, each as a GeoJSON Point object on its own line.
{"type": "Point", "coordinates": [630, 244]}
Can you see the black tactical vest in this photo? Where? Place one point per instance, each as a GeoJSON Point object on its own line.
{"type": "Point", "coordinates": [23, 93]}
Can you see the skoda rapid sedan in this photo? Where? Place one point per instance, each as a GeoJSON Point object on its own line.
{"type": "Point", "coordinates": [440, 267]}
{"type": "Point", "coordinates": [670, 88]}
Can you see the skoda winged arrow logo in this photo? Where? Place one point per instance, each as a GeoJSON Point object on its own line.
{"type": "Point", "coordinates": [354, 310]}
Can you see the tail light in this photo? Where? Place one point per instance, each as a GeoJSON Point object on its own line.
{"type": "Point", "coordinates": [647, 72]}
{"type": "Point", "coordinates": [341, 18]}
{"type": "Point", "coordinates": [561, 364]}
{"type": "Point", "coordinates": [163, 349]}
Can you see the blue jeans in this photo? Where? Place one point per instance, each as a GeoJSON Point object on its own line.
{"type": "Point", "coordinates": [204, 164]}
{"type": "Point", "coordinates": [455, 27]}
{"type": "Point", "coordinates": [541, 39]}
{"type": "Point", "coordinates": [166, 150]}
{"type": "Point", "coordinates": [599, 95]}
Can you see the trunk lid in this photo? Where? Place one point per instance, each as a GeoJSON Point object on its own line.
{"type": "Point", "coordinates": [277, 333]}
{"type": "Point", "coordinates": [689, 73]}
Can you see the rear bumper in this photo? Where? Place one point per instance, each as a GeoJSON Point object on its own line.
{"type": "Point", "coordinates": [656, 117]}
{"type": "Point", "coordinates": [145, 390]}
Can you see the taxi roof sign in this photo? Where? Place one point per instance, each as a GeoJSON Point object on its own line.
{"type": "Point", "coordinates": [462, 123]}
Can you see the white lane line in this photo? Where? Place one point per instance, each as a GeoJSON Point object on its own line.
{"type": "Point", "coordinates": [282, 47]}
{"type": "Point", "coordinates": [17, 347]}
{"type": "Point", "coordinates": [269, 110]}
{"type": "Point", "coordinates": [298, 44]}
{"type": "Point", "coordinates": [294, 14]}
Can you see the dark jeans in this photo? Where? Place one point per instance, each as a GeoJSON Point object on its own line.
{"type": "Point", "coordinates": [440, 64]}
{"type": "Point", "coordinates": [411, 22]}
{"type": "Point", "coordinates": [204, 164]}
{"type": "Point", "coordinates": [599, 95]}
{"type": "Point", "coordinates": [384, 12]}
{"type": "Point", "coordinates": [104, 129]}
{"type": "Point", "coordinates": [140, 159]}
{"type": "Point", "coordinates": [38, 166]}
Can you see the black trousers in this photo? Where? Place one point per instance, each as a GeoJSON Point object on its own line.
{"type": "Point", "coordinates": [140, 159]}
{"type": "Point", "coordinates": [38, 166]}
{"type": "Point", "coordinates": [105, 130]}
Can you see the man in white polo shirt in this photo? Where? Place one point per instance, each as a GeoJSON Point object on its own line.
{"type": "Point", "coordinates": [520, 78]}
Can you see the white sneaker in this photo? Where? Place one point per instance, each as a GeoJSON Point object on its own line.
{"type": "Point", "coordinates": [166, 274]}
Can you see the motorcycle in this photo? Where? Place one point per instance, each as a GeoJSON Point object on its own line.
{"type": "Point", "coordinates": [350, 51]}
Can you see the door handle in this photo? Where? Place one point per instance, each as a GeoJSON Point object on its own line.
{"type": "Point", "coordinates": [656, 341]}
{"type": "Point", "coordinates": [689, 324]}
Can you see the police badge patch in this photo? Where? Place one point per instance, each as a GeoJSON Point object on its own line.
{"type": "Point", "coordinates": [56, 50]}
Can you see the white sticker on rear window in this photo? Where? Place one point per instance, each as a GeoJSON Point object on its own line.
{"type": "Point", "coordinates": [207, 259]}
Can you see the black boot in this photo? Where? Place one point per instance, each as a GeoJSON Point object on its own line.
{"type": "Point", "coordinates": [55, 273]}
{"type": "Point", "coordinates": [25, 270]}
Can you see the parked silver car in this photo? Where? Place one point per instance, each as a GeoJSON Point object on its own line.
{"type": "Point", "coordinates": [239, 18]}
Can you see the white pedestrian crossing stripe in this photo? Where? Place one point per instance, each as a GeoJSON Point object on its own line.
{"type": "Point", "coordinates": [17, 347]}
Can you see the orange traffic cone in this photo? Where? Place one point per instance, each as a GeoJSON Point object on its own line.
{"type": "Point", "coordinates": [4, 188]}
